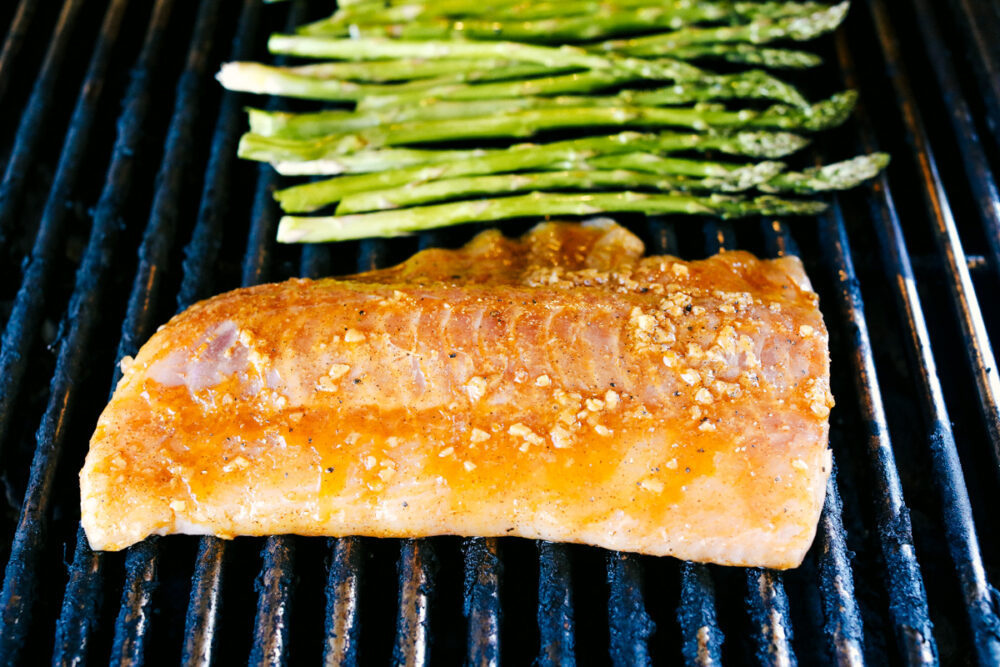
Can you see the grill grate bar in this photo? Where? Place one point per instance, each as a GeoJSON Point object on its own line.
{"type": "Point", "coordinates": [842, 618]}
{"type": "Point", "coordinates": [981, 178]}
{"type": "Point", "coordinates": [275, 583]}
{"type": "Point", "coordinates": [946, 235]}
{"type": "Point", "coordinates": [271, 625]}
{"type": "Point", "coordinates": [766, 598]}
{"type": "Point", "coordinates": [77, 329]}
{"type": "Point", "coordinates": [32, 126]}
{"type": "Point", "coordinates": [629, 625]}
{"type": "Point", "coordinates": [958, 524]}
{"type": "Point", "coordinates": [205, 603]}
{"type": "Point", "coordinates": [138, 597]}
{"type": "Point", "coordinates": [343, 582]}
{"type": "Point", "coordinates": [701, 636]}
{"type": "Point", "coordinates": [482, 607]}
{"type": "Point", "coordinates": [417, 567]}
{"type": "Point", "coordinates": [903, 580]}
{"type": "Point", "coordinates": [555, 606]}
{"type": "Point", "coordinates": [344, 578]}
{"type": "Point", "coordinates": [12, 44]}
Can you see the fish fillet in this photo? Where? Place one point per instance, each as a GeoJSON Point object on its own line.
{"type": "Point", "coordinates": [559, 386]}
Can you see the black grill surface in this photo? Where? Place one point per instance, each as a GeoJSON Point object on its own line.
{"type": "Point", "coordinates": [122, 202]}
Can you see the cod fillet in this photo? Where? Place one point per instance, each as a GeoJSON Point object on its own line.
{"type": "Point", "coordinates": [559, 386]}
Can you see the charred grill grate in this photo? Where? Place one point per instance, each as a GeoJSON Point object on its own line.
{"type": "Point", "coordinates": [897, 574]}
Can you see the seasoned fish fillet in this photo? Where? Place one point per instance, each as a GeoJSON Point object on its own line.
{"type": "Point", "coordinates": [559, 386]}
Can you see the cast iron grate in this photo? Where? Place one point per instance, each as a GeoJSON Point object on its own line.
{"type": "Point", "coordinates": [121, 202]}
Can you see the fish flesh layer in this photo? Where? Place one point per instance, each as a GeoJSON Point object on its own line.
{"type": "Point", "coordinates": [559, 386]}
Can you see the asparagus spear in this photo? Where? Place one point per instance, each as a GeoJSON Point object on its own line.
{"type": "Point", "coordinates": [292, 229]}
{"type": "Point", "coordinates": [751, 144]}
{"type": "Point", "coordinates": [323, 123]}
{"type": "Point", "coordinates": [572, 21]}
{"type": "Point", "coordinates": [766, 176]}
{"type": "Point", "coordinates": [570, 154]}
{"type": "Point", "coordinates": [581, 28]}
{"type": "Point", "coordinates": [581, 179]}
{"type": "Point", "coordinates": [408, 69]}
{"type": "Point", "coordinates": [760, 31]}
{"type": "Point", "coordinates": [836, 176]}
{"type": "Point", "coordinates": [270, 80]}
{"type": "Point", "coordinates": [310, 46]}
{"type": "Point", "coordinates": [749, 54]}
{"type": "Point", "coordinates": [518, 124]}
{"type": "Point", "coordinates": [729, 177]}
{"type": "Point", "coordinates": [752, 84]}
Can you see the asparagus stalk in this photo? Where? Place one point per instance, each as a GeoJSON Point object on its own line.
{"type": "Point", "coordinates": [310, 46]}
{"type": "Point", "coordinates": [253, 77]}
{"type": "Point", "coordinates": [751, 144]}
{"type": "Point", "coordinates": [799, 28]}
{"type": "Point", "coordinates": [608, 71]}
{"type": "Point", "coordinates": [581, 28]}
{"type": "Point", "coordinates": [729, 177]}
{"type": "Point", "coordinates": [570, 154]}
{"type": "Point", "coordinates": [292, 229]}
{"type": "Point", "coordinates": [752, 84]}
{"type": "Point", "coordinates": [519, 124]}
{"type": "Point", "coordinates": [463, 188]}
{"type": "Point", "coordinates": [613, 171]}
{"type": "Point", "coordinates": [339, 121]}
{"type": "Point", "coordinates": [836, 176]}
{"type": "Point", "coordinates": [571, 21]}
{"type": "Point", "coordinates": [749, 54]}
{"type": "Point", "coordinates": [409, 69]}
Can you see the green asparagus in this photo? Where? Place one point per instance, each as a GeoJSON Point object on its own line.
{"type": "Point", "coordinates": [520, 124]}
{"type": "Point", "coordinates": [570, 154]}
{"type": "Point", "coordinates": [292, 229]}
{"type": "Point", "coordinates": [766, 176]}
{"type": "Point", "coordinates": [797, 28]}
{"type": "Point", "coordinates": [749, 54]}
{"type": "Point", "coordinates": [569, 22]}
{"type": "Point", "coordinates": [324, 123]}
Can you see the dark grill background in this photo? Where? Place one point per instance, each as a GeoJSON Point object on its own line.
{"type": "Point", "coordinates": [119, 208]}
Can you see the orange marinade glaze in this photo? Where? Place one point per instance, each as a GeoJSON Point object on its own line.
{"type": "Point", "coordinates": [558, 386]}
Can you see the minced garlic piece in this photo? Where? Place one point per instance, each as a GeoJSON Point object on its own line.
{"type": "Point", "coordinates": [338, 371]}
{"type": "Point", "coordinates": [478, 435]}
{"type": "Point", "coordinates": [447, 451]}
{"type": "Point", "coordinates": [602, 430]}
{"type": "Point", "coordinates": [654, 485]}
{"type": "Point", "coordinates": [469, 465]}
{"type": "Point", "coordinates": [353, 336]}
{"type": "Point", "coordinates": [611, 399]}
{"type": "Point", "coordinates": [542, 381]}
{"type": "Point", "coordinates": [476, 388]}
{"type": "Point", "coordinates": [703, 396]}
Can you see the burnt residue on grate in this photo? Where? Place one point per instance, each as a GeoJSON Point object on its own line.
{"type": "Point", "coordinates": [121, 201]}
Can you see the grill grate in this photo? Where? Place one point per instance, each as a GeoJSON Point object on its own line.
{"type": "Point", "coordinates": [897, 575]}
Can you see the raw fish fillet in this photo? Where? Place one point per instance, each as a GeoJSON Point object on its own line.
{"type": "Point", "coordinates": [559, 386]}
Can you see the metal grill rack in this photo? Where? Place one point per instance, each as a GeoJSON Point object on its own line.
{"type": "Point", "coordinates": [121, 202]}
